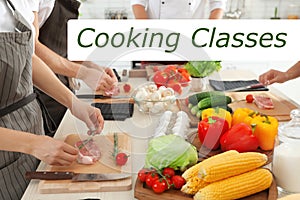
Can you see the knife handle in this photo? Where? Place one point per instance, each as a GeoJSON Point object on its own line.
{"type": "Point", "coordinates": [46, 175]}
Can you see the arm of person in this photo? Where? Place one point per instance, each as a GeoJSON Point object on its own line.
{"type": "Point", "coordinates": [45, 79]}
{"type": "Point", "coordinates": [45, 148]}
{"type": "Point", "coordinates": [216, 14]}
{"type": "Point", "coordinates": [276, 76]}
{"type": "Point", "coordinates": [139, 11]}
{"type": "Point", "coordinates": [96, 79]}
{"type": "Point", "coordinates": [217, 8]}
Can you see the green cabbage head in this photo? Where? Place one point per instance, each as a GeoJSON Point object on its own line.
{"type": "Point", "coordinates": [170, 151]}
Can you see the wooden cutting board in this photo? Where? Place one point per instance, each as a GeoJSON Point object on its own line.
{"type": "Point", "coordinates": [106, 164]}
{"type": "Point", "coordinates": [282, 107]}
{"type": "Point", "coordinates": [142, 192]}
{"type": "Point", "coordinates": [281, 111]}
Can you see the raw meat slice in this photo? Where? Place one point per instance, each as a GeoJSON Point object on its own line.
{"type": "Point", "coordinates": [89, 152]}
{"type": "Point", "coordinates": [263, 102]}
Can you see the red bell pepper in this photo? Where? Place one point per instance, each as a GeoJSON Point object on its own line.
{"type": "Point", "coordinates": [210, 130]}
{"type": "Point", "coordinates": [239, 137]}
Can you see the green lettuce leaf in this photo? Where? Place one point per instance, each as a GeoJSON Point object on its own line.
{"type": "Point", "coordinates": [202, 69]}
{"type": "Point", "coordinates": [170, 151]}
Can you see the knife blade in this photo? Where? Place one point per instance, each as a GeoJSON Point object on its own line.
{"type": "Point", "coordinates": [75, 177]}
{"type": "Point", "coordinates": [100, 96]}
{"type": "Point", "coordinates": [254, 86]}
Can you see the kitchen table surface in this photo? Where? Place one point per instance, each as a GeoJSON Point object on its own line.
{"type": "Point", "coordinates": [139, 127]}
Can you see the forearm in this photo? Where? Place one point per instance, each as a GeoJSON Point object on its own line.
{"type": "Point", "coordinates": [139, 12]}
{"type": "Point", "coordinates": [294, 71]}
{"type": "Point", "coordinates": [216, 14]}
{"type": "Point", "coordinates": [17, 141]}
{"type": "Point", "coordinates": [57, 64]}
{"type": "Point", "coordinates": [45, 79]}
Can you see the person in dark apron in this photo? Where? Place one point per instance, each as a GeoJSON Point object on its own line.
{"type": "Point", "coordinates": [23, 142]}
{"type": "Point", "coordinates": [53, 34]}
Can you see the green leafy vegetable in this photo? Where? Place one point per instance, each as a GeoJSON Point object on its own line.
{"type": "Point", "coordinates": [170, 151]}
{"type": "Point", "coordinates": [202, 69]}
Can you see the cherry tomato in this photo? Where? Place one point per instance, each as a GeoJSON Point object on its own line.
{"type": "Point", "coordinates": [178, 181]}
{"type": "Point", "coordinates": [168, 172]}
{"type": "Point", "coordinates": [159, 186]}
{"type": "Point", "coordinates": [249, 98]}
{"type": "Point", "coordinates": [142, 174]}
{"type": "Point", "coordinates": [151, 178]}
{"type": "Point", "coordinates": [168, 182]}
{"type": "Point", "coordinates": [121, 159]}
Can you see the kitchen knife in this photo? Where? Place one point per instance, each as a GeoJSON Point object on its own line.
{"type": "Point", "coordinates": [76, 177]}
{"type": "Point", "coordinates": [100, 96]}
{"type": "Point", "coordinates": [254, 86]}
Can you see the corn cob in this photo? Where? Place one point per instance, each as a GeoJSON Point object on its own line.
{"type": "Point", "coordinates": [194, 170]}
{"type": "Point", "coordinates": [193, 185]}
{"type": "Point", "coordinates": [236, 164]}
{"type": "Point", "coordinates": [237, 186]}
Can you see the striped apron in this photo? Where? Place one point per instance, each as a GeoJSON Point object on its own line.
{"type": "Point", "coordinates": [16, 50]}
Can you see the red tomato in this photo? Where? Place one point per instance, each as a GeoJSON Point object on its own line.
{"type": "Point", "coordinates": [160, 78]}
{"type": "Point", "coordinates": [151, 178]}
{"type": "Point", "coordinates": [249, 98]}
{"type": "Point", "coordinates": [121, 159]}
{"type": "Point", "coordinates": [168, 182]}
{"type": "Point", "coordinates": [168, 172]}
{"type": "Point", "coordinates": [178, 181]}
{"type": "Point", "coordinates": [175, 86]}
{"type": "Point", "coordinates": [142, 174]}
{"type": "Point", "coordinates": [159, 186]}
{"type": "Point", "coordinates": [171, 69]}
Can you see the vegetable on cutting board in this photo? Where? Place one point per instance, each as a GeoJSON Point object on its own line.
{"type": "Point", "coordinates": [265, 129]}
{"type": "Point", "coordinates": [240, 138]}
{"type": "Point", "coordinates": [237, 186]}
{"type": "Point", "coordinates": [120, 157]}
{"type": "Point", "coordinates": [209, 99]}
{"type": "Point", "coordinates": [231, 175]}
{"type": "Point", "coordinates": [170, 151]}
{"type": "Point", "coordinates": [219, 112]}
{"type": "Point", "coordinates": [210, 130]}
{"type": "Point", "coordinates": [235, 165]}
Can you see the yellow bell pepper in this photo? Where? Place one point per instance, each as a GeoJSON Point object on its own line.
{"type": "Point", "coordinates": [219, 112]}
{"type": "Point", "coordinates": [243, 115]}
{"type": "Point", "coordinates": [265, 129]}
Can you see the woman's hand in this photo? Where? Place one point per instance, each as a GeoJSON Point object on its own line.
{"type": "Point", "coordinates": [90, 115]}
{"type": "Point", "coordinates": [97, 79]}
{"type": "Point", "coordinates": [273, 76]}
{"type": "Point", "coordinates": [53, 152]}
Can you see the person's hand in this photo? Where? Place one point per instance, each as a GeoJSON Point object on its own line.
{"type": "Point", "coordinates": [273, 76]}
{"type": "Point", "coordinates": [111, 73]}
{"type": "Point", "coordinates": [88, 114]}
{"type": "Point", "coordinates": [96, 79]}
{"type": "Point", "coordinates": [53, 152]}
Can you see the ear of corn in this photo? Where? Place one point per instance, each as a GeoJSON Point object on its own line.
{"type": "Point", "coordinates": [237, 186]}
{"type": "Point", "coordinates": [194, 170]}
{"type": "Point", "coordinates": [193, 185]}
{"type": "Point", "coordinates": [234, 165]}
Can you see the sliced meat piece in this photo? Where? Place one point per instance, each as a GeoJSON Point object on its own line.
{"type": "Point", "coordinates": [89, 152]}
{"type": "Point", "coordinates": [263, 102]}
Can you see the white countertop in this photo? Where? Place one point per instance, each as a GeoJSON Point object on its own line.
{"type": "Point", "coordinates": [140, 127]}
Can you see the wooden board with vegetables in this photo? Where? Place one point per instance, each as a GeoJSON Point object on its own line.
{"type": "Point", "coordinates": [248, 176]}
{"type": "Point", "coordinates": [107, 164]}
